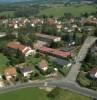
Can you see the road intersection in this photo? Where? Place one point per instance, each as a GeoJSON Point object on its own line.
{"type": "Point", "coordinates": [66, 83]}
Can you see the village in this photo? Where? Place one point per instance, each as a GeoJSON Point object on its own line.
{"type": "Point", "coordinates": [43, 48]}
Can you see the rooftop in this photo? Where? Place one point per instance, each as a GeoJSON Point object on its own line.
{"type": "Point", "coordinates": [46, 36]}
{"type": "Point", "coordinates": [25, 69]}
{"type": "Point", "coordinates": [55, 52]}
{"type": "Point", "coordinates": [10, 71]}
{"type": "Point", "coordinates": [43, 63]}
{"type": "Point", "coordinates": [16, 45]}
{"type": "Point", "coordinates": [93, 71]}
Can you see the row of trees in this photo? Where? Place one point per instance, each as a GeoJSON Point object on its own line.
{"type": "Point", "coordinates": [49, 29]}
{"type": "Point", "coordinates": [26, 12]}
{"type": "Point", "coordinates": [14, 56]}
{"type": "Point", "coordinates": [18, 10]}
{"type": "Point", "coordinates": [90, 61]}
{"type": "Point", "coordinates": [26, 35]}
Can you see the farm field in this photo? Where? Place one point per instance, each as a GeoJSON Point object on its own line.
{"type": "Point", "coordinates": [59, 10]}
{"type": "Point", "coordinates": [40, 94]}
{"type": "Point", "coordinates": [7, 13]}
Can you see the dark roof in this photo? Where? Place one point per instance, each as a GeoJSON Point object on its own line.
{"type": "Point", "coordinates": [25, 69]}
{"type": "Point", "coordinates": [46, 36]}
{"type": "Point", "coordinates": [67, 49]}
{"type": "Point", "coordinates": [59, 61]}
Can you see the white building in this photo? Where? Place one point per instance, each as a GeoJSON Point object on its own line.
{"type": "Point", "coordinates": [93, 73]}
{"type": "Point", "coordinates": [26, 50]}
{"type": "Point", "coordinates": [48, 38]}
{"type": "Point", "coordinates": [26, 71]}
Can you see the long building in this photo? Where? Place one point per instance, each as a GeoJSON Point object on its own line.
{"type": "Point", "coordinates": [47, 38]}
{"type": "Point", "coordinates": [55, 52]}
{"type": "Point", "coordinates": [22, 48]}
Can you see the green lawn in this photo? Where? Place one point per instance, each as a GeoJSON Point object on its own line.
{"type": "Point", "coordinates": [60, 10]}
{"type": "Point", "coordinates": [40, 94]}
{"type": "Point", "coordinates": [32, 60]}
{"type": "Point", "coordinates": [3, 62]}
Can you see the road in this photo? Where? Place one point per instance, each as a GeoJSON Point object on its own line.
{"type": "Point", "coordinates": [56, 83]}
{"type": "Point", "coordinates": [75, 87]}
{"type": "Point", "coordinates": [66, 83]}
{"type": "Point", "coordinates": [81, 55]}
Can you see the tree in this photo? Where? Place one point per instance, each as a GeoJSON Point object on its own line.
{"type": "Point", "coordinates": [85, 15]}
{"type": "Point", "coordinates": [54, 93]}
{"type": "Point", "coordinates": [57, 44]}
{"type": "Point", "coordinates": [14, 56]}
{"type": "Point", "coordinates": [28, 11]}
{"type": "Point", "coordinates": [32, 37]}
{"type": "Point", "coordinates": [83, 37]}
{"type": "Point", "coordinates": [49, 29]}
{"type": "Point", "coordinates": [74, 36]}
{"type": "Point", "coordinates": [67, 37]}
{"type": "Point", "coordinates": [95, 32]}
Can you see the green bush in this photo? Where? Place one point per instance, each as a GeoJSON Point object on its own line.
{"type": "Point", "coordinates": [83, 80]}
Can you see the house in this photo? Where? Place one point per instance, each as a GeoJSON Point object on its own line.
{"type": "Point", "coordinates": [47, 38]}
{"type": "Point", "coordinates": [2, 35]}
{"type": "Point", "coordinates": [43, 65]}
{"type": "Point", "coordinates": [10, 72]}
{"type": "Point", "coordinates": [26, 71]}
{"type": "Point", "coordinates": [61, 62]}
{"type": "Point", "coordinates": [16, 26]}
{"type": "Point", "coordinates": [1, 77]}
{"type": "Point", "coordinates": [59, 27]}
{"type": "Point", "coordinates": [26, 50]}
{"type": "Point", "coordinates": [51, 21]}
{"type": "Point", "coordinates": [93, 73]}
{"type": "Point", "coordinates": [1, 81]}
{"type": "Point", "coordinates": [55, 52]}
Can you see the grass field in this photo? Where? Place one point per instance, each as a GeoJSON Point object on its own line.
{"type": "Point", "coordinates": [59, 10]}
{"type": "Point", "coordinates": [40, 94]}
{"type": "Point", "coordinates": [3, 62]}
{"type": "Point", "coordinates": [7, 13]}
{"type": "Point", "coordinates": [75, 10]}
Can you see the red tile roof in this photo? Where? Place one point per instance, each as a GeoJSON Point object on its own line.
{"type": "Point", "coordinates": [51, 21]}
{"type": "Point", "coordinates": [15, 45]}
{"type": "Point", "coordinates": [10, 71]}
{"type": "Point", "coordinates": [93, 71]}
{"type": "Point", "coordinates": [55, 52]}
{"type": "Point", "coordinates": [43, 63]}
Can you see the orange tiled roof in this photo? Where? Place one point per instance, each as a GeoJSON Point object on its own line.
{"type": "Point", "coordinates": [43, 63]}
{"type": "Point", "coordinates": [10, 71]}
{"type": "Point", "coordinates": [15, 45]}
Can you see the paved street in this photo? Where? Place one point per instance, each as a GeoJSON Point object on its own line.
{"type": "Point", "coordinates": [82, 54]}
{"type": "Point", "coordinates": [65, 83]}
{"type": "Point", "coordinates": [74, 87]}
{"type": "Point", "coordinates": [56, 83]}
